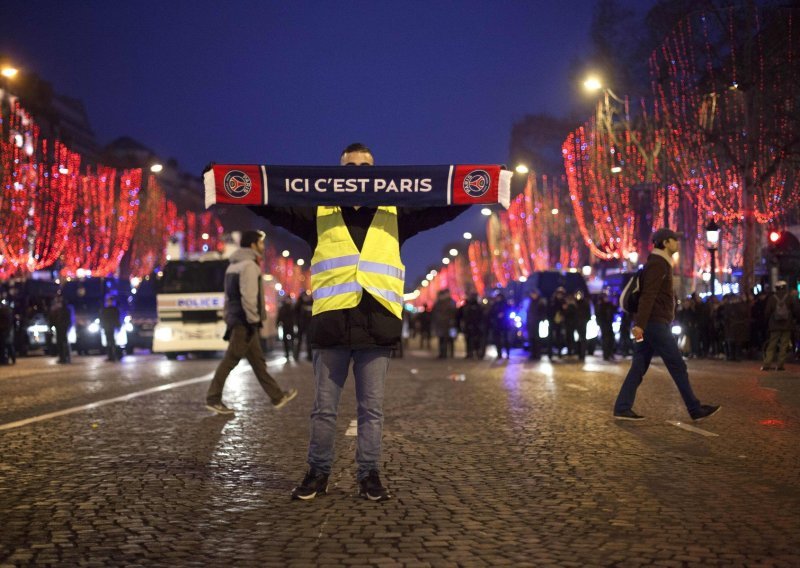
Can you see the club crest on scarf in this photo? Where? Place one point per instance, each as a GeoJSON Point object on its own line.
{"type": "Point", "coordinates": [477, 183]}
{"type": "Point", "coordinates": [237, 184]}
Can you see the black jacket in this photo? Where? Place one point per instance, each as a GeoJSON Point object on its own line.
{"type": "Point", "coordinates": [369, 324]}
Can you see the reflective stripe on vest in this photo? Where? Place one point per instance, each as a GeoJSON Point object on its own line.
{"type": "Point", "coordinates": [331, 263]}
{"type": "Point", "coordinates": [340, 273]}
{"type": "Point", "coordinates": [329, 291]}
{"type": "Point", "coordinates": [381, 268]}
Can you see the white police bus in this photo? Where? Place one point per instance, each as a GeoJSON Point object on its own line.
{"type": "Point", "coordinates": [190, 297]}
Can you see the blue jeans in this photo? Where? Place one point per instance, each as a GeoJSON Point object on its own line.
{"type": "Point", "coordinates": [330, 372]}
{"type": "Point", "coordinates": [658, 340]}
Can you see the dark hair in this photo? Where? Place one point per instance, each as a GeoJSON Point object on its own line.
{"type": "Point", "coordinates": [356, 147]}
{"type": "Point", "coordinates": [660, 245]}
{"type": "Point", "coordinates": [251, 237]}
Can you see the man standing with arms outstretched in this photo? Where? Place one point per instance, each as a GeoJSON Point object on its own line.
{"type": "Point", "coordinates": [357, 280]}
{"type": "Point", "coordinates": [652, 334]}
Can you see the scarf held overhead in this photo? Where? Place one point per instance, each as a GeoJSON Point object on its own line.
{"type": "Point", "coordinates": [407, 186]}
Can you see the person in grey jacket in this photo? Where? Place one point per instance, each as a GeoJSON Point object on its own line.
{"type": "Point", "coordinates": [245, 314]}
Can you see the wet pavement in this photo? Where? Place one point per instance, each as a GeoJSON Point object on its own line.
{"type": "Point", "coordinates": [519, 464]}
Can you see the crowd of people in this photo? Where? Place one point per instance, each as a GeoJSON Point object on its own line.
{"type": "Point", "coordinates": [733, 327]}
{"type": "Point", "coordinates": [58, 316]}
{"type": "Point", "coordinates": [740, 326]}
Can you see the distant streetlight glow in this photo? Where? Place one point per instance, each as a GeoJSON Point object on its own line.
{"type": "Point", "coordinates": [300, 262]}
{"type": "Point", "coordinates": [522, 169]}
{"type": "Point", "coordinates": [285, 254]}
{"type": "Point", "coordinates": [616, 169]}
{"type": "Point", "coordinates": [155, 168]}
{"type": "Point", "coordinates": [445, 260]}
{"type": "Point", "coordinates": [9, 72]}
{"type": "Point", "coordinates": [486, 211]}
{"type": "Point", "coordinates": [468, 235]}
{"type": "Point", "coordinates": [592, 84]}
{"type": "Point", "coordinates": [554, 211]}
{"type": "Point", "coordinates": [453, 252]}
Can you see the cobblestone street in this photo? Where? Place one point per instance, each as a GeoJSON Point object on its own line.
{"type": "Point", "coordinates": [519, 464]}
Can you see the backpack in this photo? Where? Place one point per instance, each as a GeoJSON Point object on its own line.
{"type": "Point", "coordinates": [781, 313]}
{"type": "Point", "coordinates": [629, 297]}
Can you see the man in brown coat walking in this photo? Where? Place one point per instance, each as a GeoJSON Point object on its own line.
{"type": "Point", "coordinates": [652, 334]}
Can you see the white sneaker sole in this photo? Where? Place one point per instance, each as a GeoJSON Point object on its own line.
{"type": "Point", "coordinates": [285, 400]}
{"type": "Point", "coordinates": [310, 497]}
{"type": "Point", "coordinates": [218, 411]}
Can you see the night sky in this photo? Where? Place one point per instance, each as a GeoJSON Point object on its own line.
{"type": "Point", "coordinates": [295, 82]}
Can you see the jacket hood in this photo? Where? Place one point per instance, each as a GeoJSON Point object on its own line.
{"type": "Point", "coordinates": [243, 254]}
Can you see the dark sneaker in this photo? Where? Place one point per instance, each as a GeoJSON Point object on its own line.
{"type": "Point", "coordinates": [219, 408]}
{"type": "Point", "coordinates": [287, 396]}
{"type": "Point", "coordinates": [765, 367]}
{"type": "Point", "coordinates": [627, 415]}
{"type": "Point", "coordinates": [706, 410]}
{"type": "Point", "coordinates": [314, 483]}
{"type": "Point", "coordinates": [371, 488]}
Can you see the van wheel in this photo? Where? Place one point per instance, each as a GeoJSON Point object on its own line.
{"type": "Point", "coordinates": [172, 356]}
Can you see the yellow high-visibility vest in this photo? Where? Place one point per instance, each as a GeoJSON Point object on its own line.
{"type": "Point", "coordinates": [340, 273]}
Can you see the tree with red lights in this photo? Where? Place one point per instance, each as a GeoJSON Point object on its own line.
{"type": "Point", "coordinates": [727, 85]}
{"type": "Point", "coordinates": [39, 183]}
{"type": "Point", "coordinates": [150, 237]}
{"type": "Point", "coordinates": [104, 221]}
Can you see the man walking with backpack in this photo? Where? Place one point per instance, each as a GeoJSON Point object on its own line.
{"type": "Point", "coordinates": [652, 334]}
{"type": "Point", "coordinates": [781, 313]}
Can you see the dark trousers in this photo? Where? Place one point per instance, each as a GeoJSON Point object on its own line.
{"type": "Point", "coordinates": [244, 342]}
{"type": "Point", "coordinates": [580, 345]}
{"type": "Point", "coordinates": [607, 338]}
{"type": "Point", "coordinates": [534, 342]}
{"type": "Point", "coordinates": [501, 341]}
{"type": "Point", "coordinates": [556, 339]}
{"type": "Point", "coordinates": [111, 345]}
{"type": "Point", "coordinates": [658, 340]}
{"type": "Point", "coordinates": [62, 347]}
{"type": "Point", "coordinates": [288, 346]}
{"type": "Point", "coordinates": [473, 341]}
{"type": "Point", "coordinates": [302, 335]}
{"type": "Point", "coordinates": [446, 346]}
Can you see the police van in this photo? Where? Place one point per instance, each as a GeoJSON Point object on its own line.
{"type": "Point", "coordinates": [190, 298]}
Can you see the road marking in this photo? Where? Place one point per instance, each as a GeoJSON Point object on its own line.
{"type": "Point", "coordinates": [100, 403]}
{"type": "Point", "coordinates": [576, 387]}
{"type": "Point", "coordinates": [694, 429]}
{"type": "Point", "coordinates": [352, 429]}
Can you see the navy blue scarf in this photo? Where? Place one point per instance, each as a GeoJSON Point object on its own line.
{"type": "Point", "coordinates": [370, 186]}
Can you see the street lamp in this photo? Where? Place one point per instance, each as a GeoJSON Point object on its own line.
{"type": "Point", "coordinates": [156, 168]}
{"type": "Point", "coordinates": [9, 72]}
{"type": "Point", "coordinates": [521, 169]}
{"type": "Point", "coordinates": [712, 244]}
{"type": "Point", "coordinates": [468, 235]}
